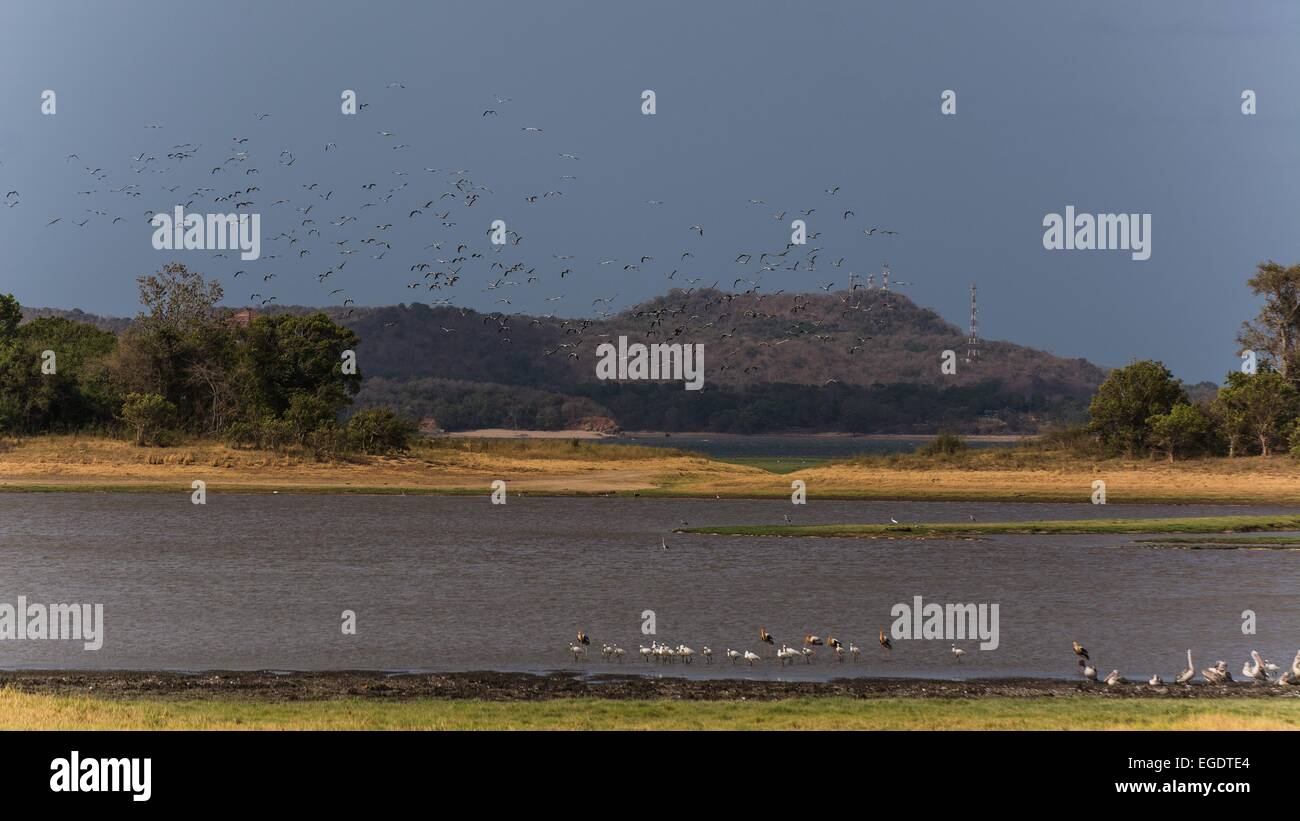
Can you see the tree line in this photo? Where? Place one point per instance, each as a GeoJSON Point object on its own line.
{"type": "Point", "coordinates": [1142, 409]}
{"type": "Point", "coordinates": [187, 367]}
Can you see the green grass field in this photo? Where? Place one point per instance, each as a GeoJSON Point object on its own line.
{"type": "Point", "coordinates": [1244, 541]}
{"type": "Point", "coordinates": [20, 711]}
{"type": "Point", "coordinates": [1195, 524]}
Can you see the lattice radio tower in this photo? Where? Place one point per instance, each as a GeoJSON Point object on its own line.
{"type": "Point", "coordinates": [973, 343]}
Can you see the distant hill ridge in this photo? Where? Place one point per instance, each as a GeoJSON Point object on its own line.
{"type": "Point", "coordinates": [871, 356]}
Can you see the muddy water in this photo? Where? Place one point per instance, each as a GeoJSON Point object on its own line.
{"type": "Point", "coordinates": [261, 581]}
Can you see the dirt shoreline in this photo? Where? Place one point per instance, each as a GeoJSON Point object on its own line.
{"type": "Point", "coordinates": [497, 686]}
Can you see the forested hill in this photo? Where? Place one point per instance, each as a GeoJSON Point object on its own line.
{"type": "Point", "coordinates": [862, 361]}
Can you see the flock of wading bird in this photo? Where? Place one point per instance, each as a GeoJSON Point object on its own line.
{"type": "Point", "coordinates": [806, 652]}
{"type": "Point", "coordinates": [1258, 670]}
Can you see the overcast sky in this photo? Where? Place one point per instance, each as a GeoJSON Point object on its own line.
{"type": "Point", "coordinates": [1107, 106]}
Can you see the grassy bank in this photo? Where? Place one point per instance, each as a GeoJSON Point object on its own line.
{"type": "Point", "coordinates": [567, 467]}
{"type": "Point", "coordinates": [1279, 542]}
{"type": "Point", "coordinates": [1191, 524]}
{"type": "Point", "coordinates": [20, 711]}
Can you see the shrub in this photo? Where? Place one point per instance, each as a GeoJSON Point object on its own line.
{"type": "Point", "coordinates": [945, 444]}
{"type": "Point", "coordinates": [148, 416]}
{"type": "Point", "coordinates": [380, 431]}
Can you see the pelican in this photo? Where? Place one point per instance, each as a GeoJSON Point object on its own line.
{"type": "Point", "coordinates": [1089, 672]}
{"type": "Point", "coordinates": [1155, 680]}
{"type": "Point", "coordinates": [1255, 671]}
{"type": "Point", "coordinates": [1114, 678]}
{"type": "Point", "coordinates": [751, 657]}
{"type": "Point", "coordinates": [1218, 674]}
{"type": "Point", "coordinates": [1081, 651]}
{"type": "Point", "coordinates": [957, 653]}
{"type": "Point", "coordinates": [1295, 667]}
{"type": "Point", "coordinates": [1188, 673]}
{"type": "Point", "coordinates": [733, 655]}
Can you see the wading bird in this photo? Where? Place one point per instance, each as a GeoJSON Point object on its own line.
{"type": "Point", "coordinates": [1188, 673]}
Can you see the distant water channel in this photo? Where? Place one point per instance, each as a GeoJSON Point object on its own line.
{"type": "Point", "coordinates": [442, 583]}
{"type": "Point", "coordinates": [771, 446]}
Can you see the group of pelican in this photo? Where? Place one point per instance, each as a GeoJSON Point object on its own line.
{"type": "Point", "coordinates": [1258, 669]}
{"type": "Point", "coordinates": [784, 653]}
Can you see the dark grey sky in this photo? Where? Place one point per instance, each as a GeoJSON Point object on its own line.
{"type": "Point", "coordinates": [1107, 106]}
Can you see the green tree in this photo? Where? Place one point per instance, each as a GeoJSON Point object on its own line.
{"type": "Point", "coordinates": [1230, 414]}
{"type": "Point", "coordinates": [148, 416]}
{"type": "Point", "coordinates": [380, 431]}
{"type": "Point", "coordinates": [1183, 428]}
{"type": "Point", "coordinates": [1262, 404]}
{"type": "Point", "coordinates": [179, 326]}
{"type": "Point", "coordinates": [289, 355]}
{"type": "Point", "coordinates": [1126, 401]}
{"type": "Point", "coordinates": [1274, 333]}
{"type": "Point", "coordinates": [11, 314]}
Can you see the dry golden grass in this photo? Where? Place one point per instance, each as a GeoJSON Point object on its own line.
{"type": "Point", "coordinates": [76, 462]}
{"type": "Point", "coordinates": [463, 466]}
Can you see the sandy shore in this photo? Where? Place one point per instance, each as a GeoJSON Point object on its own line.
{"type": "Point", "coordinates": [494, 686]}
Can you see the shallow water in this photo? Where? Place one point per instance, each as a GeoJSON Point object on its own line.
{"type": "Point", "coordinates": [782, 446]}
{"type": "Point", "coordinates": [260, 581]}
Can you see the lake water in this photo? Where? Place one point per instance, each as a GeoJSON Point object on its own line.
{"type": "Point", "coordinates": [442, 583]}
{"type": "Point", "coordinates": [772, 446]}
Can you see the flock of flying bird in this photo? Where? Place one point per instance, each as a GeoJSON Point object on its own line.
{"type": "Point", "coordinates": [1258, 669]}
{"type": "Point", "coordinates": [348, 237]}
